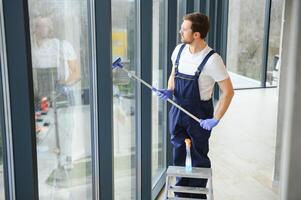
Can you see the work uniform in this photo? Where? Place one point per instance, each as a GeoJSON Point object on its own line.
{"type": "Point", "coordinates": [50, 65]}
{"type": "Point", "coordinates": [195, 75]}
{"type": "Point", "coordinates": [50, 70]}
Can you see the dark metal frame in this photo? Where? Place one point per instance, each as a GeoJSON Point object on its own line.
{"type": "Point", "coordinates": [146, 103]}
{"type": "Point", "coordinates": [16, 22]}
{"type": "Point", "coordinates": [265, 53]}
{"type": "Point", "coordinates": [190, 6]}
{"type": "Point", "coordinates": [104, 102]}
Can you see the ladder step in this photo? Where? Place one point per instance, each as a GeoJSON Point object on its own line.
{"type": "Point", "coordinates": [182, 198]}
{"type": "Point", "coordinates": [191, 190]}
{"type": "Point", "coordinates": [196, 172]}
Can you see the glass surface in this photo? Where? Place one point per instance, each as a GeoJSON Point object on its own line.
{"type": "Point", "coordinates": [274, 43]}
{"type": "Point", "coordinates": [158, 117]}
{"type": "Point", "coordinates": [196, 6]}
{"type": "Point", "coordinates": [181, 11]}
{"type": "Point", "coordinates": [124, 45]}
{"type": "Point", "coordinates": [61, 61]}
{"type": "Point", "coordinates": [245, 42]}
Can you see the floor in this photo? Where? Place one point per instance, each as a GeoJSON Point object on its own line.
{"type": "Point", "coordinates": [243, 146]}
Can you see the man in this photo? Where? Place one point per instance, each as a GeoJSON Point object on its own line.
{"type": "Point", "coordinates": [56, 75]}
{"type": "Point", "coordinates": [196, 68]}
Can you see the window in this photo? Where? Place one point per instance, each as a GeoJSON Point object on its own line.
{"type": "Point", "coordinates": [124, 45]}
{"type": "Point", "coordinates": [61, 61]}
{"type": "Point", "coordinates": [245, 39]}
{"type": "Point", "coordinates": [158, 109]}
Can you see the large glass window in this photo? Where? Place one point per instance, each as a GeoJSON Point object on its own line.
{"type": "Point", "coordinates": [274, 43]}
{"type": "Point", "coordinates": [61, 61]}
{"type": "Point", "coordinates": [124, 44]}
{"type": "Point", "coordinates": [158, 117]}
{"type": "Point", "coordinates": [196, 6]}
{"type": "Point", "coordinates": [245, 42]}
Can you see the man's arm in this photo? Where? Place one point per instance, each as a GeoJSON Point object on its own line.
{"type": "Point", "coordinates": [225, 99]}
{"type": "Point", "coordinates": [74, 70]}
{"type": "Point", "coordinates": [171, 80]}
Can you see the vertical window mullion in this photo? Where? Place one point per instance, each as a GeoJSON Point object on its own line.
{"type": "Point", "coordinates": [103, 29]}
{"type": "Point", "coordinates": [146, 75]}
{"type": "Point", "coordinates": [265, 50]}
{"type": "Point", "coordinates": [16, 23]}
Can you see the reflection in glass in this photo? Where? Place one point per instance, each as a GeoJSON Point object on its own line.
{"type": "Point", "coordinates": [274, 43]}
{"type": "Point", "coordinates": [60, 60]}
{"type": "Point", "coordinates": [124, 44]}
{"type": "Point", "coordinates": [181, 12]}
{"type": "Point", "coordinates": [158, 118]}
{"type": "Point", "coordinates": [244, 45]}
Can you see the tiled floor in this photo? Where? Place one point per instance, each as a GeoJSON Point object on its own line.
{"type": "Point", "coordinates": [243, 146]}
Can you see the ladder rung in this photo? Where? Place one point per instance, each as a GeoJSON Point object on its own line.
{"type": "Point", "coordinates": [196, 172]}
{"type": "Point", "coordinates": [181, 198]}
{"type": "Point", "coordinates": [191, 190]}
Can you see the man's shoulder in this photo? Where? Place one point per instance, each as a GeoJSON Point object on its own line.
{"type": "Point", "coordinates": [215, 57]}
{"type": "Point", "coordinates": [176, 51]}
{"type": "Point", "coordinates": [177, 48]}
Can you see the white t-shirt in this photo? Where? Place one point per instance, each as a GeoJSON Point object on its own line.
{"type": "Point", "coordinates": [213, 71]}
{"type": "Point", "coordinates": [53, 53]}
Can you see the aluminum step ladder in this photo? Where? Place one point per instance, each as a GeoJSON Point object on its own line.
{"type": "Point", "coordinates": [197, 172]}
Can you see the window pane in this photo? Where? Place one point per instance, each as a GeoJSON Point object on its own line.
{"type": "Point", "coordinates": [60, 42]}
{"type": "Point", "coordinates": [196, 6]}
{"type": "Point", "coordinates": [124, 44]}
{"type": "Point", "coordinates": [158, 117]}
{"type": "Point", "coordinates": [274, 43]}
{"type": "Point", "coordinates": [245, 42]}
{"type": "Point", "coordinates": [181, 12]}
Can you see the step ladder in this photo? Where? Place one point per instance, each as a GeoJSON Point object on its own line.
{"type": "Point", "coordinates": [197, 172]}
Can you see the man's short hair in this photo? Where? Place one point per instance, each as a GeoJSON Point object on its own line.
{"type": "Point", "coordinates": [200, 23]}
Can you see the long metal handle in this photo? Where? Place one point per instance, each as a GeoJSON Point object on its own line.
{"type": "Point", "coordinates": [169, 100]}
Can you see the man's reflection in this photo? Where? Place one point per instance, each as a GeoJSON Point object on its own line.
{"type": "Point", "coordinates": [57, 77]}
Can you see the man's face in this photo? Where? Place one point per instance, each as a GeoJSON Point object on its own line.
{"type": "Point", "coordinates": [186, 32]}
{"type": "Point", "coordinates": [42, 27]}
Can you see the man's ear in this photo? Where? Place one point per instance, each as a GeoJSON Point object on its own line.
{"type": "Point", "coordinates": [197, 34]}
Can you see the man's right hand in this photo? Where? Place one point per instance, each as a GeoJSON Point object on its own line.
{"type": "Point", "coordinates": [164, 94]}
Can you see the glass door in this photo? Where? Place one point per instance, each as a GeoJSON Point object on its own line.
{"type": "Point", "coordinates": [125, 116]}
{"type": "Point", "coordinates": [159, 120]}
{"type": "Point", "coordinates": [245, 42]}
{"type": "Point", "coordinates": [61, 62]}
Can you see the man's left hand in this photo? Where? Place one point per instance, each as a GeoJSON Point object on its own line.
{"type": "Point", "coordinates": [208, 124]}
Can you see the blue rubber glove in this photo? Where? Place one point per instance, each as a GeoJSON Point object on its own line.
{"type": "Point", "coordinates": [163, 94]}
{"type": "Point", "coordinates": [208, 124]}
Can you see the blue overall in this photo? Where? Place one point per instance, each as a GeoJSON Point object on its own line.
{"type": "Point", "coordinates": [187, 95]}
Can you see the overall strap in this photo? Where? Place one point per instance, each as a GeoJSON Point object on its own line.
{"type": "Point", "coordinates": [178, 57]}
{"type": "Point", "coordinates": [201, 66]}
